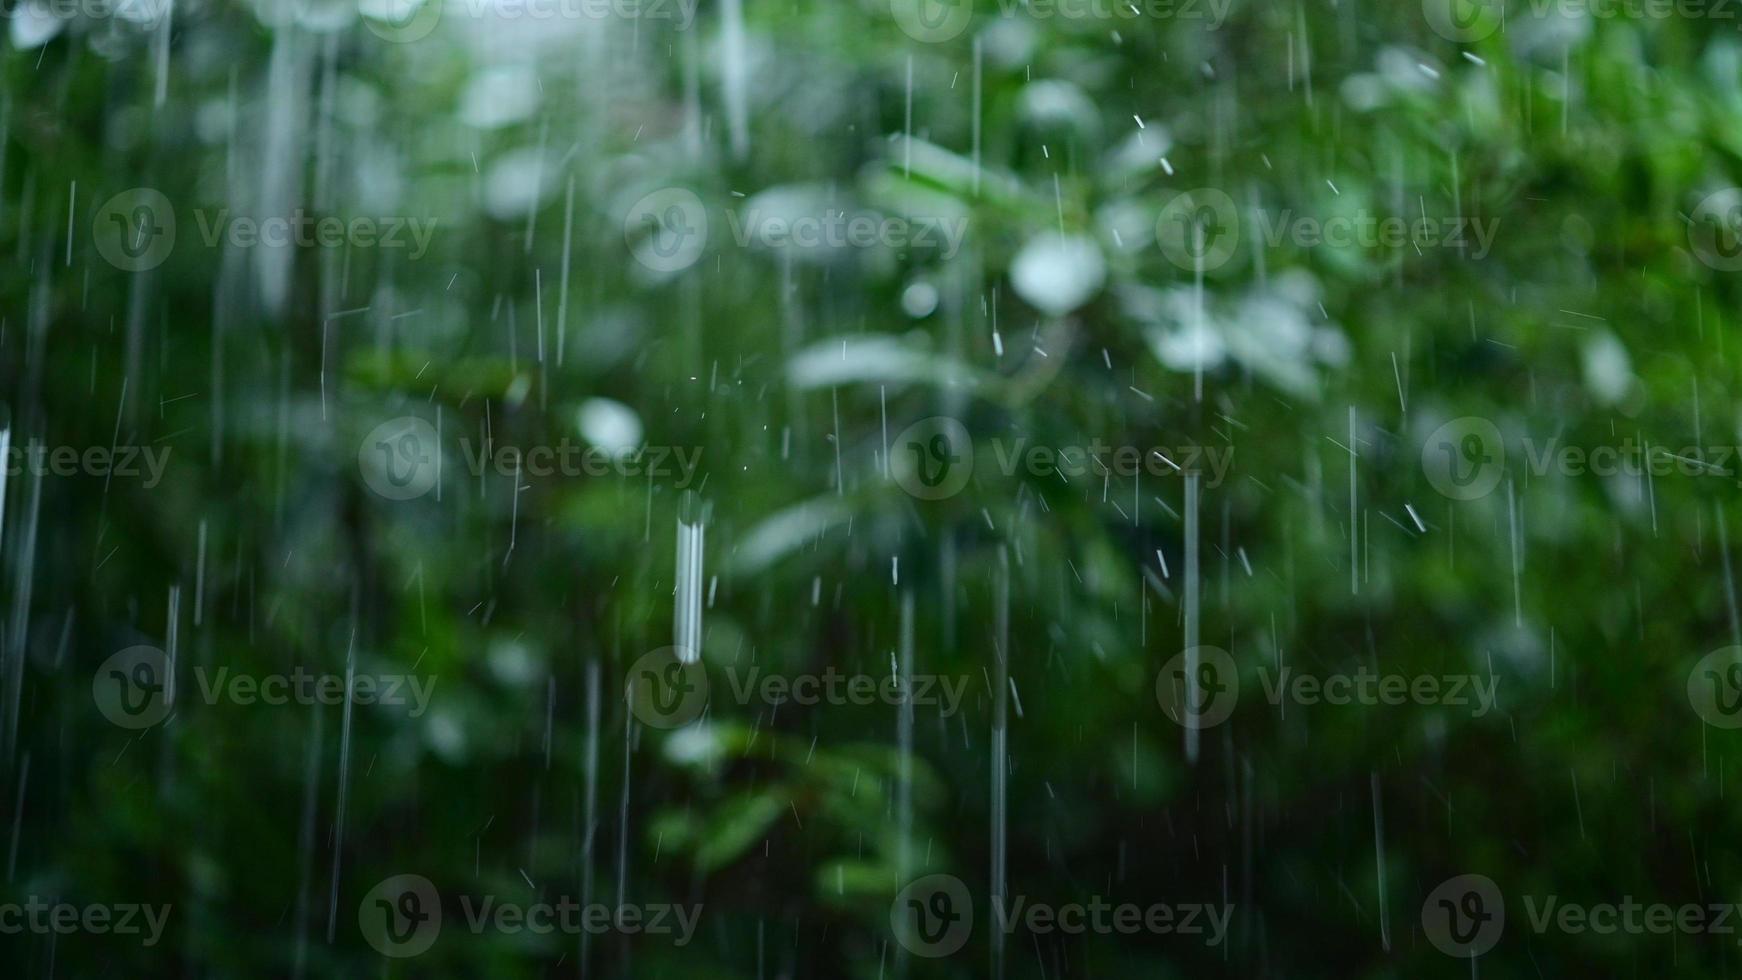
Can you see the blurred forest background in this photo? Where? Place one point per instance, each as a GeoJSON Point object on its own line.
{"type": "Point", "coordinates": [539, 314]}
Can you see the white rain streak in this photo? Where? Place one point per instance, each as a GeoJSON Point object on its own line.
{"type": "Point", "coordinates": [686, 626]}
{"type": "Point", "coordinates": [23, 575]}
{"type": "Point", "coordinates": [1000, 756]}
{"type": "Point", "coordinates": [1191, 617]}
{"type": "Point", "coordinates": [344, 786]}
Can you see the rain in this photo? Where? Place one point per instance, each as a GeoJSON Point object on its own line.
{"type": "Point", "coordinates": [878, 489]}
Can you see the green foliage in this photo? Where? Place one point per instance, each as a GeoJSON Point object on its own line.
{"type": "Point", "coordinates": [1586, 146]}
